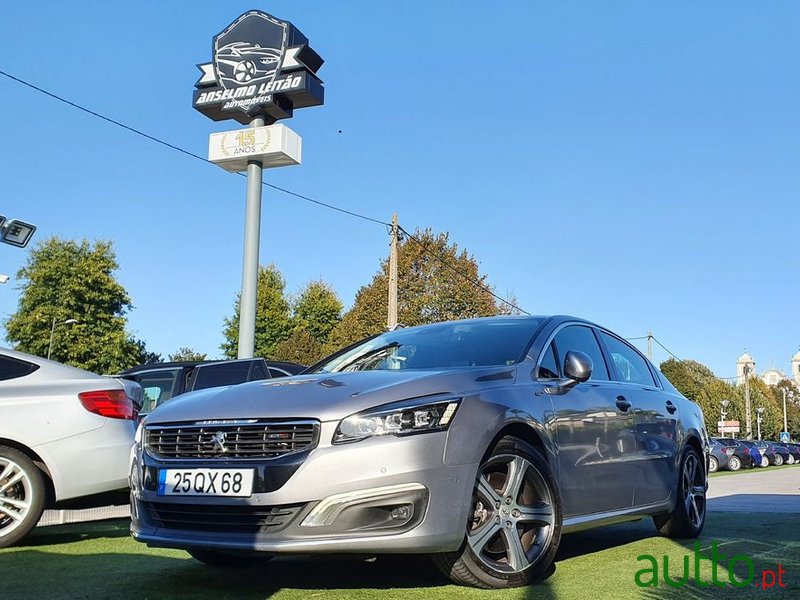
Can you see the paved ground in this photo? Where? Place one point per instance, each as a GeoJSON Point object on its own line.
{"type": "Point", "coordinates": [764, 490]}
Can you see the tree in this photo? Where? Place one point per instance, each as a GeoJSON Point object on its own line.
{"type": "Point", "coordinates": [300, 347]}
{"type": "Point", "coordinates": [187, 355]}
{"type": "Point", "coordinates": [65, 279]}
{"type": "Point", "coordinates": [318, 311]}
{"type": "Point", "coordinates": [430, 289]}
{"type": "Point", "coordinates": [273, 323]}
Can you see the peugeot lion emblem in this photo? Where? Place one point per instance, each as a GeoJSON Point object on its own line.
{"type": "Point", "coordinates": [219, 440]}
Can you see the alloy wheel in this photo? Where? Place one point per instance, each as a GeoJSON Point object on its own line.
{"type": "Point", "coordinates": [513, 514]}
{"type": "Point", "coordinates": [694, 490]}
{"type": "Point", "coordinates": [16, 491]}
{"type": "Point", "coordinates": [713, 465]}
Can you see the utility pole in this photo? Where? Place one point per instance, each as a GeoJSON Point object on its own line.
{"type": "Point", "coordinates": [392, 320]}
{"type": "Point", "coordinates": [650, 346]}
{"type": "Point", "coordinates": [785, 423]}
{"type": "Point", "coordinates": [748, 418]}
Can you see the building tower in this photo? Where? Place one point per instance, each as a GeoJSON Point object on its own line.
{"type": "Point", "coordinates": [745, 360]}
{"type": "Point", "coordinates": [796, 368]}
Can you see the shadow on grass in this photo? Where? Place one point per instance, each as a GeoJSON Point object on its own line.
{"type": "Point", "coordinates": [65, 534]}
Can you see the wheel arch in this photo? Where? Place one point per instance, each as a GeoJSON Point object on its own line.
{"type": "Point", "coordinates": [527, 433]}
{"type": "Point", "coordinates": [39, 462]}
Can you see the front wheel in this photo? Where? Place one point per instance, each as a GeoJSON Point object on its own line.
{"type": "Point", "coordinates": [734, 464]}
{"type": "Point", "coordinates": [22, 493]}
{"type": "Point", "coordinates": [778, 460]}
{"type": "Point", "coordinates": [790, 460]}
{"type": "Point", "coordinates": [764, 461]}
{"type": "Point", "coordinates": [689, 515]}
{"type": "Point", "coordinates": [514, 526]}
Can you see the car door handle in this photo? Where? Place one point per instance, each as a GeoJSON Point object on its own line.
{"type": "Point", "coordinates": [622, 403]}
{"type": "Point", "coordinates": [671, 408]}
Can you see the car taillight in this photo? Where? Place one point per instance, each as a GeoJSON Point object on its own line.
{"type": "Point", "coordinates": [113, 404]}
{"type": "Point", "coordinates": [747, 451]}
{"type": "Point", "coordinates": [729, 451]}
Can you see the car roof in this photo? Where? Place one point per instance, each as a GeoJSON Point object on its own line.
{"type": "Point", "coordinates": [195, 363]}
{"type": "Point", "coordinates": [50, 367]}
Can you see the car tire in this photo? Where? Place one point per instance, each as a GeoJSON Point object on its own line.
{"type": "Point", "coordinates": [778, 460]}
{"type": "Point", "coordinates": [764, 461]}
{"type": "Point", "coordinates": [22, 498]}
{"type": "Point", "coordinates": [734, 463]}
{"type": "Point", "coordinates": [217, 558]}
{"type": "Point", "coordinates": [689, 515]}
{"type": "Point", "coordinates": [790, 460]}
{"type": "Point", "coordinates": [713, 465]}
{"type": "Point", "coordinates": [514, 528]}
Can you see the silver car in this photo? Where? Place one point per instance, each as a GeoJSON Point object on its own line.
{"type": "Point", "coordinates": [64, 433]}
{"type": "Point", "coordinates": [479, 442]}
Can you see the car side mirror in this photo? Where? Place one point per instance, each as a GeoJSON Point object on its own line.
{"type": "Point", "coordinates": [577, 367]}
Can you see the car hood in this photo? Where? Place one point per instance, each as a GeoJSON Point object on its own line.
{"type": "Point", "coordinates": [327, 397]}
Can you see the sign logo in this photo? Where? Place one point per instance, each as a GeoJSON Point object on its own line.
{"type": "Point", "coordinates": [261, 65]}
{"type": "Point", "coordinates": [219, 440]}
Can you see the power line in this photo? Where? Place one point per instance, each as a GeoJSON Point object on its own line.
{"type": "Point", "coordinates": [329, 206]}
{"type": "Point", "coordinates": [472, 280]}
{"type": "Point", "coordinates": [681, 360]}
{"type": "Point", "coordinates": [153, 138]}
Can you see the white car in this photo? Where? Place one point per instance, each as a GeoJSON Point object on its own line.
{"type": "Point", "coordinates": [64, 433]}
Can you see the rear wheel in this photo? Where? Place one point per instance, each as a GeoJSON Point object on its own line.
{"type": "Point", "coordinates": [713, 465]}
{"type": "Point", "coordinates": [764, 461]}
{"type": "Point", "coordinates": [22, 492]}
{"type": "Point", "coordinates": [790, 460]}
{"type": "Point", "coordinates": [216, 558]}
{"type": "Point", "coordinates": [734, 464]}
{"type": "Point", "coordinates": [515, 523]}
{"type": "Point", "coordinates": [689, 515]}
{"type": "Point", "coordinates": [778, 460]}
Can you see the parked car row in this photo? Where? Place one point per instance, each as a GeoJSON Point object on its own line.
{"type": "Point", "coordinates": [732, 454]}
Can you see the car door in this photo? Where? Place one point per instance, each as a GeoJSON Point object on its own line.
{"type": "Point", "coordinates": [656, 420]}
{"type": "Point", "coordinates": [595, 437]}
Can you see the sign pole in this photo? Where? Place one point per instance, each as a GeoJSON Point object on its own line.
{"type": "Point", "coordinates": [252, 233]}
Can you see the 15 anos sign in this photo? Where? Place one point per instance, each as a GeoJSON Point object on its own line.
{"type": "Point", "coordinates": [261, 66]}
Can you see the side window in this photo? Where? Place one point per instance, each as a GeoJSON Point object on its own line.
{"type": "Point", "coordinates": [581, 338]}
{"type": "Point", "coordinates": [259, 372]}
{"type": "Point", "coordinates": [548, 368]}
{"type": "Point", "coordinates": [11, 368]}
{"type": "Point", "coordinates": [219, 374]}
{"type": "Point", "coordinates": [631, 366]}
{"type": "Point", "coordinates": [276, 372]}
{"type": "Point", "coordinates": [157, 386]}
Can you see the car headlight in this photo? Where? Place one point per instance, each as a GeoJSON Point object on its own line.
{"type": "Point", "coordinates": [399, 418]}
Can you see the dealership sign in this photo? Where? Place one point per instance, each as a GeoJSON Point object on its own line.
{"type": "Point", "coordinates": [261, 66]}
{"type": "Point", "coordinates": [273, 146]}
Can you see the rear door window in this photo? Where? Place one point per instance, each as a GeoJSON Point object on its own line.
{"type": "Point", "coordinates": [221, 374]}
{"type": "Point", "coordinates": [631, 367]}
{"type": "Point", "coordinates": [13, 368]}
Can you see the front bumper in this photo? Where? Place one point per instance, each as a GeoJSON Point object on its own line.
{"type": "Point", "coordinates": [339, 499]}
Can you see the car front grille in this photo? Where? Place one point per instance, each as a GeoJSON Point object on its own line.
{"type": "Point", "coordinates": [251, 439]}
{"type": "Point", "coordinates": [243, 519]}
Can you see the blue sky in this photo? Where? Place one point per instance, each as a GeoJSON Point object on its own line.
{"type": "Point", "coordinates": [632, 162]}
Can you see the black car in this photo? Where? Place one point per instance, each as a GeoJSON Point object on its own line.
{"type": "Point", "coordinates": [738, 454]}
{"type": "Point", "coordinates": [162, 381]}
{"type": "Point", "coordinates": [792, 450]}
{"type": "Point", "coordinates": [718, 455]}
{"type": "Point", "coordinates": [776, 456]}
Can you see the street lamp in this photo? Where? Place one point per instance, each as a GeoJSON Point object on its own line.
{"type": "Point", "coordinates": [759, 412]}
{"type": "Point", "coordinates": [785, 423]}
{"type": "Point", "coordinates": [53, 332]}
{"type": "Point", "coordinates": [722, 415]}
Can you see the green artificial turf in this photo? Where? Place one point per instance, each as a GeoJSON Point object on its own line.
{"type": "Point", "coordinates": [99, 560]}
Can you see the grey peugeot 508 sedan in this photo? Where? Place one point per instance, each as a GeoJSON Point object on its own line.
{"type": "Point", "coordinates": [479, 442]}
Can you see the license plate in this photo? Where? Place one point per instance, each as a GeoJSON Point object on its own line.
{"type": "Point", "coordinates": [205, 482]}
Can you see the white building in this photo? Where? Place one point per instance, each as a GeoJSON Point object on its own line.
{"type": "Point", "coordinates": [745, 363]}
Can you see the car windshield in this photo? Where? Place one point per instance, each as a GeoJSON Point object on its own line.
{"type": "Point", "coordinates": [486, 343]}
